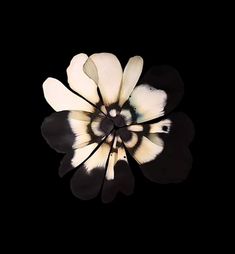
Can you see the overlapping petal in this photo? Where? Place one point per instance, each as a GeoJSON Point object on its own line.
{"type": "Point", "coordinates": [80, 82]}
{"type": "Point", "coordinates": [106, 70]}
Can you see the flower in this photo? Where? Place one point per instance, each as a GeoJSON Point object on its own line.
{"type": "Point", "coordinates": [108, 115]}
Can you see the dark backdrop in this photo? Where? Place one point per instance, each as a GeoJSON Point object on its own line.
{"type": "Point", "coordinates": [47, 42]}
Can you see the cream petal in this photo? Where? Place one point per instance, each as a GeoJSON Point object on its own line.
{"type": "Point", "coordinates": [60, 98]}
{"type": "Point", "coordinates": [88, 131]}
{"type": "Point", "coordinates": [146, 103]}
{"type": "Point", "coordinates": [147, 151]}
{"type": "Point", "coordinates": [130, 78]}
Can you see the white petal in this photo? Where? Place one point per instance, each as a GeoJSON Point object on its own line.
{"type": "Point", "coordinates": [80, 126]}
{"type": "Point", "coordinates": [112, 160]}
{"type": "Point", "coordinates": [136, 128]}
{"type": "Point", "coordinates": [147, 102]}
{"type": "Point", "coordinates": [82, 153]}
{"type": "Point", "coordinates": [131, 76]}
{"type": "Point", "coordinates": [108, 72]}
{"type": "Point", "coordinates": [79, 81]}
{"type": "Point", "coordinates": [99, 158]}
{"type": "Point", "coordinates": [147, 151]}
{"type": "Point", "coordinates": [60, 98]}
{"type": "Point", "coordinates": [127, 116]}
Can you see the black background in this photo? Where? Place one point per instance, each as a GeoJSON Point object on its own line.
{"type": "Point", "coordinates": [47, 42]}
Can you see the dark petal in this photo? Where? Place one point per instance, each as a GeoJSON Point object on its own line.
{"type": "Point", "coordinates": [176, 130]}
{"type": "Point", "coordinates": [76, 157]}
{"type": "Point", "coordinates": [181, 130]}
{"type": "Point", "coordinates": [168, 79]}
{"type": "Point", "coordinates": [87, 180]}
{"type": "Point", "coordinates": [171, 166]}
{"type": "Point", "coordinates": [122, 180]}
{"type": "Point", "coordinates": [57, 131]}
{"type": "Point", "coordinates": [162, 152]}
{"type": "Point", "coordinates": [87, 186]}
{"type": "Point", "coordinates": [65, 164]}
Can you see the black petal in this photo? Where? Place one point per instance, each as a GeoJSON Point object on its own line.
{"type": "Point", "coordinates": [57, 131]}
{"type": "Point", "coordinates": [163, 155]}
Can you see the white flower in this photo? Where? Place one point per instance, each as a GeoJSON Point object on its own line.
{"type": "Point", "coordinates": [107, 115]}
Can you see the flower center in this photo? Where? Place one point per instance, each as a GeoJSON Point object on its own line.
{"type": "Point", "coordinates": [106, 125]}
{"type": "Point", "coordinates": [114, 120]}
{"type": "Point", "coordinates": [118, 121]}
